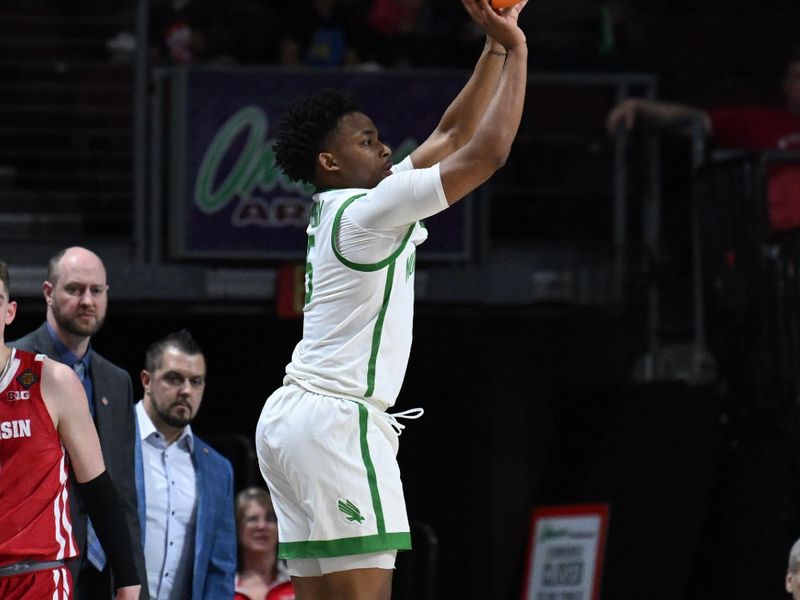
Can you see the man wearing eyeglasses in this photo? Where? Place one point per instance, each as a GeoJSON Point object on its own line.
{"type": "Point", "coordinates": [76, 294]}
{"type": "Point", "coordinates": [190, 535]}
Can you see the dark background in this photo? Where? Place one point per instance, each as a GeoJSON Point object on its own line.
{"type": "Point", "coordinates": [525, 405]}
{"type": "Point", "coordinates": [525, 409]}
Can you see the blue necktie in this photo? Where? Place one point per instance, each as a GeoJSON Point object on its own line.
{"type": "Point", "coordinates": [80, 371]}
{"type": "Point", "coordinates": [94, 551]}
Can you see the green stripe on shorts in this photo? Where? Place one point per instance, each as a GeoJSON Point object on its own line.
{"type": "Point", "coordinates": [379, 542]}
{"type": "Point", "coordinates": [372, 477]}
{"type": "Point", "coordinates": [345, 546]}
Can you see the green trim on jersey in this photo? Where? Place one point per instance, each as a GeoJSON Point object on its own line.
{"type": "Point", "coordinates": [345, 546]}
{"type": "Point", "coordinates": [376, 333]}
{"type": "Point", "coordinates": [368, 267]}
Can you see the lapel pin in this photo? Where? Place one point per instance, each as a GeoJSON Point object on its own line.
{"type": "Point", "coordinates": [104, 400]}
{"type": "Point", "coordinates": [205, 449]}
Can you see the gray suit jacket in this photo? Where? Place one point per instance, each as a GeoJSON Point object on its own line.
{"type": "Point", "coordinates": [116, 428]}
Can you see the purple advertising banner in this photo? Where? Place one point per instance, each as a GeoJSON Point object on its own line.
{"type": "Point", "coordinates": [229, 200]}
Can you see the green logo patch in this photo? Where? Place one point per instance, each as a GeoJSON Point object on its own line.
{"type": "Point", "coordinates": [350, 511]}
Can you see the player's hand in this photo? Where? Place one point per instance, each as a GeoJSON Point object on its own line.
{"type": "Point", "coordinates": [501, 26]}
{"type": "Point", "coordinates": [624, 114]}
{"type": "Point", "coordinates": [512, 12]}
{"type": "Point", "coordinates": [129, 592]}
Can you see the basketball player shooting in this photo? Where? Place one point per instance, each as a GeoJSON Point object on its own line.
{"type": "Point", "coordinates": [326, 444]}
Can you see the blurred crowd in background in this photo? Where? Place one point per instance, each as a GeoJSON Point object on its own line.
{"type": "Point", "coordinates": [369, 34]}
{"type": "Point", "coordinates": [736, 41]}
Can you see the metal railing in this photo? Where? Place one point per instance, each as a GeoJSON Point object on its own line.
{"type": "Point", "coordinates": [751, 282]}
{"type": "Point", "coordinates": [66, 110]}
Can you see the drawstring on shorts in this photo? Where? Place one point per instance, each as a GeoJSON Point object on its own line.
{"type": "Point", "coordinates": [391, 418]}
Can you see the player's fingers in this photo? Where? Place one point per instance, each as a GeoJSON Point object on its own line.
{"type": "Point", "coordinates": [471, 6]}
{"type": "Point", "coordinates": [517, 8]}
{"type": "Point", "coordinates": [484, 13]}
{"type": "Point", "coordinates": [491, 14]}
{"type": "Point", "coordinates": [486, 9]}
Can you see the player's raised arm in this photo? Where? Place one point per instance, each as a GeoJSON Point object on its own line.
{"type": "Point", "coordinates": [488, 149]}
{"type": "Point", "coordinates": [459, 121]}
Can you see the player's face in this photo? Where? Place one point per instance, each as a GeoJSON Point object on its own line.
{"type": "Point", "coordinates": [79, 296]}
{"type": "Point", "coordinates": [791, 88]}
{"type": "Point", "coordinates": [172, 395]}
{"type": "Point", "coordinates": [362, 160]}
{"type": "Point", "coordinates": [258, 531]}
{"type": "Point", "coordinates": [8, 310]}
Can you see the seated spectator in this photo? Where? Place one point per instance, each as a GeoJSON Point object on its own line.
{"type": "Point", "coordinates": [392, 28]}
{"type": "Point", "coordinates": [320, 35]}
{"type": "Point", "coordinates": [746, 127]}
{"type": "Point", "coordinates": [261, 576]}
{"type": "Point", "coordinates": [190, 31]}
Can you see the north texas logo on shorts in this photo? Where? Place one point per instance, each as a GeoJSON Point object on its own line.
{"type": "Point", "coordinates": [350, 511]}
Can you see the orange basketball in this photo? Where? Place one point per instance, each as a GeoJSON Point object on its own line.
{"type": "Point", "coordinates": [498, 4]}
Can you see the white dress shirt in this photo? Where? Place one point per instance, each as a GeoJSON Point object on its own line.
{"type": "Point", "coordinates": [171, 507]}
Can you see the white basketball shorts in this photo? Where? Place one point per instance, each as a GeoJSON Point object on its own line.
{"type": "Point", "coordinates": [331, 468]}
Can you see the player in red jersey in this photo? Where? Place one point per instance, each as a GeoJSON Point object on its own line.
{"type": "Point", "coordinates": [43, 411]}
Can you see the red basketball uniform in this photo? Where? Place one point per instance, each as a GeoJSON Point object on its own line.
{"type": "Point", "coordinates": [52, 584]}
{"type": "Point", "coordinates": [34, 503]}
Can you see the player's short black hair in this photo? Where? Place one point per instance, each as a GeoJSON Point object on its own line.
{"type": "Point", "coordinates": [304, 128]}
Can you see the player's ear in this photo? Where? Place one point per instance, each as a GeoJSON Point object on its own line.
{"type": "Point", "coordinates": [11, 311]}
{"type": "Point", "coordinates": [327, 162]}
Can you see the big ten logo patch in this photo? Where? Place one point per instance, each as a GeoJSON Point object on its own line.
{"type": "Point", "coordinates": [18, 395]}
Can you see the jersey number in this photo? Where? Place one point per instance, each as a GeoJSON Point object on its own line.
{"type": "Point", "coordinates": [316, 211]}
{"type": "Point", "coordinates": [309, 270]}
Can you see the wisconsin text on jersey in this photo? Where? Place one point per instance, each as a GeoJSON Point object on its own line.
{"type": "Point", "coordinates": [15, 429]}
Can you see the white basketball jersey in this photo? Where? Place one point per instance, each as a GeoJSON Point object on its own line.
{"type": "Point", "coordinates": [360, 286]}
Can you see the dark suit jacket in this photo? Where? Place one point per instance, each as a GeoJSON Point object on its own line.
{"type": "Point", "coordinates": [116, 428]}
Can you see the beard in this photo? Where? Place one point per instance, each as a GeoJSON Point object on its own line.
{"type": "Point", "coordinates": [171, 419]}
{"type": "Point", "coordinates": [74, 326]}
